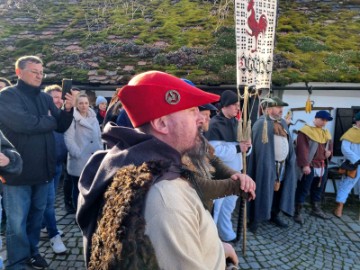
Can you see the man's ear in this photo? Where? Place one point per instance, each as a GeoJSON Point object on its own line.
{"type": "Point", "coordinates": [160, 125]}
{"type": "Point", "coordinates": [17, 71]}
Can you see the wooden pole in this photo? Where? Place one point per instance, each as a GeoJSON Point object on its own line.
{"type": "Point", "coordinates": [245, 117]}
{"type": "Point", "coordinates": [243, 134]}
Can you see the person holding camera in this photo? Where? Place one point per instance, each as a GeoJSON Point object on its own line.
{"type": "Point", "coordinates": [28, 118]}
{"type": "Point", "coordinates": [350, 147]}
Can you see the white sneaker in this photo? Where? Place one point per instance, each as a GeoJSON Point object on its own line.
{"type": "Point", "coordinates": [44, 233]}
{"type": "Point", "coordinates": [57, 244]}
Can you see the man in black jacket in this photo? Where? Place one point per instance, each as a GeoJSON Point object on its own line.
{"type": "Point", "coordinates": [27, 118]}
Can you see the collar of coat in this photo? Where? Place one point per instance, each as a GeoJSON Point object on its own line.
{"type": "Point", "coordinates": [316, 134]}
{"type": "Point", "coordinates": [78, 116]}
{"type": "Point", "coordinates": [352, 135]}
{"type": "Point", "coordinates": [90, 121]}
{"type": "Point", "coordinates": [27, 89]}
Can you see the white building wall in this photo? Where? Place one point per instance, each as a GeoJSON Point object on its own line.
{"type": "Point", "coordinates": [321, 98]}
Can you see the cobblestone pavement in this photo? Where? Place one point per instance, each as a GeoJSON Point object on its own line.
{"type": "Point", "coordinates": [73, 259]}
{"type": "Point", "coordinates": [318, 244]}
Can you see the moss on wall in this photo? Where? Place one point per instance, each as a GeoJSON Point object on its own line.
{"type": "Point", "coordinates": [315, 41]}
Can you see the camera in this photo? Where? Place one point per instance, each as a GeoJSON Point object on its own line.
{"type": "Point", "coordinates": [66, 87]}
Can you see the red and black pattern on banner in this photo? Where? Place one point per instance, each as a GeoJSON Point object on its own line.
{"type": "Point", "coordinates": [255, 35]}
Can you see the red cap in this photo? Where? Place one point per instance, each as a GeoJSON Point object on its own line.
{"type": "Point", "coordinates": [153, 94]}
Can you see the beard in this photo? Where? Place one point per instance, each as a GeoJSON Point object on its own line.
{"type": "Point", "coordinates": [199, 149]}
{"type": "Point", "coordinates": [197, 155]}
{"type": "Point", "coordinates": [275, 116]}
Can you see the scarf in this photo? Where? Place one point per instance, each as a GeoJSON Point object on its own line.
{"type": "Point", "coordinates": [102, 113]}
{"type": "Point", "coordinates": [279, 129]}
{"type": "Point", "coordinates": [316, 134]}
{"type": "Point", "coordinates": [352, 135]}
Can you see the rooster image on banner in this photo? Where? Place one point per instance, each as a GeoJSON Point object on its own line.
{"type": "Point", "coordinates": [257, 27]}
{"type": "Point", "coordinates": [255, 34]}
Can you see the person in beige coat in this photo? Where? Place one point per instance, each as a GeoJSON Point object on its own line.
{"type": "Point", "coordinates": [82, 139]}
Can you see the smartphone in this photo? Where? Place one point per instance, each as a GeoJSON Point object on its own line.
{"type": "Point", "coordinates": [66, 87]}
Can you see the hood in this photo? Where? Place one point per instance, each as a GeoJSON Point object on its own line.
{"type": "Point", "coordinates": [222, 129]}
{"type": "Point", "coordinates": [127, 146]}
{"type": "Point", "coordinates": [78, 116]}
{"type": "Point", "coordinates": [112, 135]}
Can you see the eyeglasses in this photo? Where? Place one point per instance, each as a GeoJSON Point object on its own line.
{"type": "Point", "coordinates": [37, 73]}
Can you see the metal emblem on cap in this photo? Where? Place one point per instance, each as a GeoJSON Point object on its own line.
{"type": "Point", "coordinates": [172, 97]}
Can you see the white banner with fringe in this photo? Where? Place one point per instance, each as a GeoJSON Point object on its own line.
{"type": "Point", "coordinates": [255, 35]}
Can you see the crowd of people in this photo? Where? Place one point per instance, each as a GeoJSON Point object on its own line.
{"type": "Point", "coordinates": [153, 178]}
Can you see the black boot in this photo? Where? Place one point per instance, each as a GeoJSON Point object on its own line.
{"type": "Point", "coordinates": [298, 217]}
{"type": "Point", "coordinates": [318, 212]}
{"type": "Point", "coordinates": [253, 226]}
{"type": "Point", "coordinates": [69, 208]}
{"type": "Point", "coordinates": [278, 222]}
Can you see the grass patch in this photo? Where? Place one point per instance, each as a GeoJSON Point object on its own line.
{"type": "Point", "coordinates": [308, 44]}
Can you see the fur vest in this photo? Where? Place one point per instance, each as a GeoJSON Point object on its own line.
{"type": "Point", "coordinates": [120, 241]}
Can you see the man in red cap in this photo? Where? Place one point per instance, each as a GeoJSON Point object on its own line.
{"type": "Point", "coordinates": [138, 207]}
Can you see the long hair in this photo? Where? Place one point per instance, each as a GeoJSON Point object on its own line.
{"type": "Point", "coordinates": [115, 103]}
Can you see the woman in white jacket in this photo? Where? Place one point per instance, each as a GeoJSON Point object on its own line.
{"type": "Point", "coordinates": [82, 139]}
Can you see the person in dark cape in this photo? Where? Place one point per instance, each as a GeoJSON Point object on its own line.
{"type": "Point", "coordinates": [209, 167]}
{"type": "Point", "coordinates": [272, 166]}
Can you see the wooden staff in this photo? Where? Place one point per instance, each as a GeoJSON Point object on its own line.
{"type": "Point", "coordinates": [244, 134]}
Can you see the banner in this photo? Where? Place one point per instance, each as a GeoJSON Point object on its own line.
{"type": "Point", "coordinates": [255, 35]}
